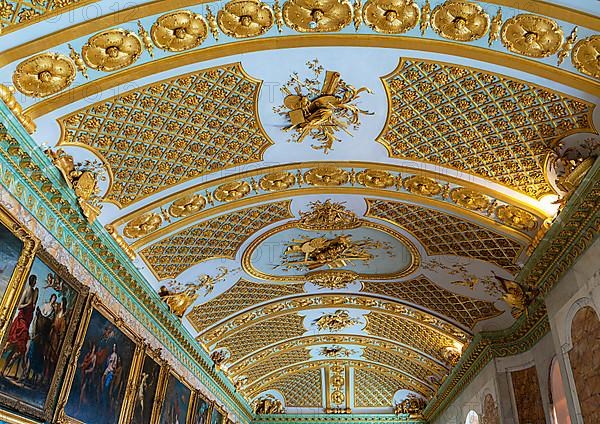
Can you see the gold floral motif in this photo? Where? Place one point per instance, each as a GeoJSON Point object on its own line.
{"type": "Point", "coordinates": [470, 199]}
{"type": "Point", "coordinates": [375, 178]}
{"type": "Point", "coordinates": [179, 31]}
{"type": "Point", "coordinates": [326, 176]}
{"type": "Point", "coordinates": [212, 23]}
{"type": "Point", "coordinates": [276, 181]}
{"type": "Point", "coordinates": [586, 56]}
{"type": "Point", "coordinates": [532, 35]}
{"type": "Point", "coordinates": [143, 225]}
{"type": "Point", "coordinates": [187, 205]}
{"type": "Point", "coordinates": [111, 50]}
{"type": "Point", "coordinates": [245, 18]}
{"type": "Point", "coordinates": [391, 16]}
{"type": "Point", "coordinates": [334, 279]}
{"type": "Point", "coordinates": [317, 15]}
{"type": "Point", "coordinates": [422, 185]}
{"type": "Point", "coordinates": [460, 20]}
{"type": "Point", "coordinates": [425, 17]}
{"type": "Point", "coordinates": [328, 215]}
{"type": "Point", "coordinates": [515, 217]}
{"type": "Point", "coordinates": [336, 321]}
{"type": "Point", "coordinates": [495, 28]}
{"type": "Point", "coordinates": [566, 48]}
{"type": "Point", "coordinates": [44, 74]}
{"type": "Point", "coordinates": [231, 191]}
{"type": "Point", "coordinates": [145, 39]}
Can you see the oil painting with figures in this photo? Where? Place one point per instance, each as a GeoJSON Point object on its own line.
{"type": "Point", "coordinates": [201, 410]}
{"type": "Point", "coordinates": [146, 392]}
{"type": "Point", "coordinates": [216, 417]}
{"type": "Point", "coordinates": [176, 403]}
{"type": "Point", "coordinates": [10, 249]}
{"type": "Point", "coordinates": [103, 368]}
{"type": "Point", "coordinates": [35, 337]}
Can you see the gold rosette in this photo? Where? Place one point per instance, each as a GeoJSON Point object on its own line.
{"type": "Point", "coordinates": [317, 15]}
{"type": "Point", "coordinates": [245, 18]}
{"type": "Point", "coordinates": [142, 225]}
{"type": "Point", "coordinates": [460, 21]}
{"type": "Point", "coordinates": [326, 176]}
{"type": "Point", "coordinates": [375, 178]}
{"type": "Point", "coordinates": [532, 35]}
{"type": "Point", "coordinates": [276, 181]}
{"type": "Point", "coordinates": [44, 74]}
{"type": "Point", "coordinates": [179, 31]}
{"type": "Point", "coordinates": [111, 50]}
{"type": "Point", "coordinates": [586, 56]}
{"type": "Point", "coordinates": [469, 199]}
{"type": "Point", "coordinates": [423, 186]}
{"type": "Point", "coordinates": [516, 218]}
{"type": "Point", "coordinates": [229, 192]}
{"type": "Point", "coordinates": [391, 16]}
{"type": "Point", "coordinates": [187, 205]}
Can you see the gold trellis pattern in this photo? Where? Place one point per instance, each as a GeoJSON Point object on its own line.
{"type": "Point", "coordinates": [396, 361]}
{"type": "Point", "coordinates": [15, 14]}
{"type": "Point", "coordinates": [478, 122]}
{"type": "Point", "coordinates": [373, 389]}
{"type": "Point", "coordinates": [424, 292]}
{"type": "Point", "coordinates": [445, 234]}
{"type": "Point", "coordinates": [285, 359]}
{"type": "Point", "coordinates": [302, 390]}
{"type": "Point", "coordinates": [242, 295]}
{"type": "Point", "coordinates": [170, 131]}
{"type": "Point", "coordinates": [263, 334]}
{"type": "Point", "coordinates": [218, 237]}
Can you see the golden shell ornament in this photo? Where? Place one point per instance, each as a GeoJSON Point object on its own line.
{"type": "Point", "coordinates": [276, 181]}
{"type": "Point", "coordinates": [532, 35]}
{"type": "Point", "coordinates": [391, 16]}
{"type": "Point", "coordinates": [245, 18]}
{"type": "Point", "coordinates": [460, 21]}
{"type": "Point", "coordinates": [470, 199]}
{"type": "Point", "coordinates": [422, 185]}
{"type": "Point", "coordinates": [187, 205]}
{"type": "Point", "coordinates": [229, 192]}
{"type": "Point", "coordinates": [179, 31]}
{"type": "Point", "coordinates": [375, 178]}
{"type": "Point", "coordinates": [326, 176]}
{"type": "Point", "coordinates": [44, 74]}
{"type": "Point", "coordinates": [317, 15]}
{"type": "Point", "coordinates": [142, 225]}
{"type": "Point", "coordinates": [586, 56]}
{"type": "Point", "coordinates": [516, 218]}
{"type": "Point", "coordinates": [111, 50]}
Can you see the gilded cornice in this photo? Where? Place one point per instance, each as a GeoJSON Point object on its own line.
{"type": "Point", "coordinates": [335, 418]}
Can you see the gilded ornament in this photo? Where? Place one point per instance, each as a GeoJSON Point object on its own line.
{"type": "Point", "coordinates": [219, 356]}
{"type": "Point", "coordinates": [375, 178]}
{"type": "Point", "coordinates": [532, 35]}
{"type": "Point", "coordinates": [212, 24]}
{"type": "Point", "coordinates": [326, 176]}
{"type": "Point", "coordinates": [336, 321]}
{"type": "Point", "coordinates": [470, 199]}
{"type": "Point", "coordinates": [179, 31]}
{"type": "Point", "coordinates": [517, 295]}
{"type": "Point", "coordinates": [336, 351]}
{"type": "Point", "coordinates": [565, 50]}
{"type": "Point", "coordinates": [495, 28]}
{"type": "Point", "coordinates": [586, 56]}
{"type": "Point", "coordinates": [413, 405]}
{"type": "Point", "coordinates": [120, 241]}
{"type": "Point", "coordinates": [76, 57]}
{"type": "Point", "coordinates": [278, 16]}
{"type": "Point", "coordinates": [516, 218]}
{"type": "Point", "coordinates": [425, 17]}
{"type": "Point", "coordinates": [142, 225]}
{"type": "Point", "coordinates": [229, 192]}
{"type": "Point", "coordinates": [317, 15]}
{"type": "Point", "coordinates": [145, 39]}
{"type": "Point", "coordinates": [328, 215]}
{"type": "Point", "coordinates": [391, 16]}
{"type": "Point", "coordinates": [460, 20]}
{"type": "Point", "coordinates": [245, 18]}
{"type": "Point", "coordinates": [277, 181]}
{"type": "Point", "coordinates": [111, 50]}
{"type": "Point", "coordinates": [187, 205]}
{"type": "Point", "coordinates": [8, 97]}
{"type": "Point", "coordinates": [267, 404]}
{"type": "Point", "coordinates": [422, 185]}
{"type": "Point", "coordinates": [333, 279]}
{"type": "Point", "coordinates": [357, 14]}
{"type": "Point", "coordinates": [44, 74]}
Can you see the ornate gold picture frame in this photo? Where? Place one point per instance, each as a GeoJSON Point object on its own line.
{"type": "Point", "coordinates": [148, 388]}
{"type": "Point", "coordinates": [216, 411]}
{"type": "Point", "coordinates": [201, 408]}
{"type": "Point", "coordinates": [165, 411]}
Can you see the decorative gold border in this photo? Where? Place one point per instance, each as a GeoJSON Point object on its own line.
{"type": "Point", "coordinates": [217, 407]}
{"type": "Point", "coordinates": [197, 395]}
{"type": "Point", "coordinates": [11, 418]}
{"type": "Point", "coordinates": [249, 268]}
{"type": "Point", "coordinates": [159, 397]}
{"type": "Point", "coordinates": [171, 372]}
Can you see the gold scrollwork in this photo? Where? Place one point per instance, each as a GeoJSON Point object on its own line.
{"type": "Point", "coordinates": [44, 74]}
{"type": "Point", "coordinates": [111, 50]}
{"type": "Point", "coordinates": [391, 17]}
{"type": "Point", "coordinates": [516, 217]}
{"type": "Point", "coordinates": [245, 18]}
{"type": "Point", "coordinates": [142, 225]}
{"type": "Point", "coordinates": [276, 181]}
{"type": "Point", "coordinates": [376, 178]}
{"type": "Point", "coordinates": [317, 15]}
{"type": "Point", "coordinates": [532, 35]}
{"type": "Point", "coordinates": [422, 185]}
{"type": "Point", "coordinates": [229, 192]}
{"type": "Point", "coordinates": [187, 205]}
{"type": "Point", "coordinates": [179, 31]}
{"type": "Point", "coordinates": [586, 56]}
{"type": "Point", "coordinates": [460, 20]}
{"type": "Point", "coordinates": [334, 279]}
{"type": "Point", "coordinates": [470, 199]}
{"type": "Point", "coordinates": [326, 176]}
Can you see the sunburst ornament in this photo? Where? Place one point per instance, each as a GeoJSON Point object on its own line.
{"type": "Point", "coordinates": [320, 107]}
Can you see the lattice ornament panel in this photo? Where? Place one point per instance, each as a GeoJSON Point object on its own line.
{"type": "Point", "coordinates": [373, 389]}
{"type": "Point", "coordinates": [302, 390]}
{"type": "Point", "coordinates": [399, 362]}
{"type": "Point", "coordinates": [274, 363]}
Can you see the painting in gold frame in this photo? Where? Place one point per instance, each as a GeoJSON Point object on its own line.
{"type": "Point", "coordinates": [41, 329]}
{"type": "Point", "coordinates": [201, 409]}
{"type": "Point", "coordinates": [176, 401]}
{"type": "Point", "coordinates": [99, 382]}
{"type": "Point", "coordinates": [217, 414]}
{"type": "Point", "coordinates": [148, 388]}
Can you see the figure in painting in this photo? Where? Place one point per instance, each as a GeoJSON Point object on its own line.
{"type": "Point", "coordinates": [146, 392]}
{"type": "Point", "coordinates": [87, 367]}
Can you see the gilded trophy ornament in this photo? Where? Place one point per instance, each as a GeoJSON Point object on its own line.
{"type": "Point", "coordinates": [245, 18]}
{"type": "Point", "coordinates": [142, 225]}
{"type": "Point", "coordinates": [516, 218]}
{"type": "Point", "coordinates": [336, 351]}
{"type": "Point", "coordinates": [326, 176]}
{"type": "Point", "coordinates": [532, 35]}
{"type": "Point", "coordinates": [317, 15]}
{"type": "Point", "coordinates": [111, 50]}
{"type": "Point", "coordinates": [517, 295]}
{"type": "Point", "coordinates": [470, 199]}
{"type": "Point", "coordinates": [229, 192]}
{"type": "Point", "coordinates": [422, 185]}
{"type": "Point", "coordinates": [219, 357]}
{"type": "Point", "coordinates": [375, 178]}
{"type": "Point", "coordinates": [412, 405]}
{"type": "Point", "coordinates": [187, 205]}
{"type": "Point", "coordinates": [336, 321]}
{"type": "Point", "coordinates": [267, 404]}
{"type": "Point", "coordinates": [328, 215]}
{"type": "Point", "coordinates": [586, 56]}
{"type": "Point", "coordinates": [333, 279]}
{"type": "Point", "coordinates": [460, 20]}
{"type": "Point", "coordinates": [391, 16]}
{"type": "Point", "coordinates": [277, 181]}
{"type": "Point", "coordinates": [179, 31]}
{"type": "Point", "coordinates": [44, 74]}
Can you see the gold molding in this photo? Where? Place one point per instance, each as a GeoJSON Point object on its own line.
{"type": "Point", "coordinates": [11, 418]}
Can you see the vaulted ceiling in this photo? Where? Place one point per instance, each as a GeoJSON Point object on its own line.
{"type": "Point", "coordinates": [345, 249]}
